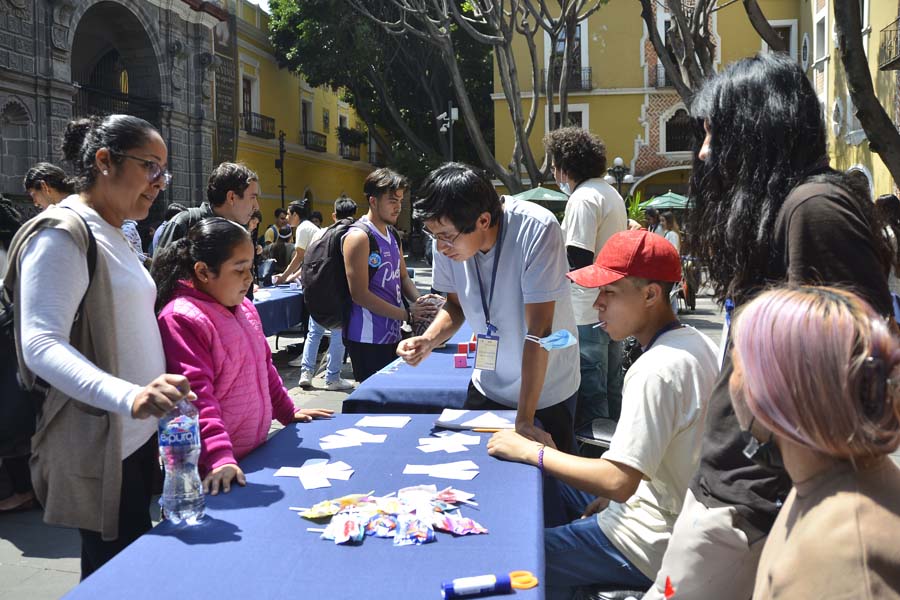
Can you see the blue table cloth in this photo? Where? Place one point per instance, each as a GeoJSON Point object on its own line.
{"type": "Point", "coordinates": [432, 386]}
{"type": "Point", "coordinates": [282, 309]}
{"type": "Point", "coordinates": [253, 546]}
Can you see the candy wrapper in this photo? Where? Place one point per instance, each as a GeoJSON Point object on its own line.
{"type": "Point", "coordinates": [382, 525]}
{"type": "Point", "coordinates": [345, 527]}
{"type": "Point", "coordinates": [457, 524]}
{"type": "Point", "coordinates": [420, 325]}
{"type": "Point", "coordinates": [413, 530]}
{"type": "Point", "coordinates": [326, 508]}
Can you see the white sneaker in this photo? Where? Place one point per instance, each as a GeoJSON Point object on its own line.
{"type": "Point", "coordinates": [338, 385]}
{"type": "Point", "coordinates": [296, 362]}
{"type": "Point", "coordinates": [305, 379]}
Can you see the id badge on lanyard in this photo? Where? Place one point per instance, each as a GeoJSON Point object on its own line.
{"type": "Point", "coordinates": [488, 345]}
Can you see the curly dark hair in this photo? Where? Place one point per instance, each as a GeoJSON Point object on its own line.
{"type": "Point", "coordinates": [767, 137]}
{"type": "Point", "coordinates": [576, 151]}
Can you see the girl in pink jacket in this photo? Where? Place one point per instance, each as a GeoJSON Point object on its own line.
{"type": "Point", "coordinates": [212, 334]}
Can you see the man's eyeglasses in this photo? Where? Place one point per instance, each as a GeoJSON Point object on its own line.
{"type": "Point", "coordinates": [154, 169]}
{"type": "Point", "coordinates": [445, 240]}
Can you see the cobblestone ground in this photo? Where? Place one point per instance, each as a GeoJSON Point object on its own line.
{"type": "Point", "coordinates": [38, 562]}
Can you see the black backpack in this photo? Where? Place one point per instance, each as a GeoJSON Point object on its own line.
{"type": "Point", "coordinates": [19, 406]}
{"type": "Point", "coordinates": [326, 292]}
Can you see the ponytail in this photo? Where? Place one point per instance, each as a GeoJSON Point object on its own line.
{"type": "Point", "coordinates": [171, 265]}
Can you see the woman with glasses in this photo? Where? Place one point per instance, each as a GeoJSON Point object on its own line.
{"type": "Point", "coordinates": [88, 330]}
{"type": "Point", "coordinates": [816, 388]}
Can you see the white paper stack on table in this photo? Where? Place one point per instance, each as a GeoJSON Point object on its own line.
{"type": "Point", "coordinates": [316, 472]}
{"type": "Point", "coordinates": [393, 421]}
{"type": "Point", "coordinates": [475, 419]}
{"type": "Point", "coordinates": [345, 438]}
{"type": "Point", "coordinates": [463, 469]}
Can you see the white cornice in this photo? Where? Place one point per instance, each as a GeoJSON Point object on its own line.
{"type": "Point", "coordinates": [242, 43]}
{"type": "Point", "coordinates": [187, 13]}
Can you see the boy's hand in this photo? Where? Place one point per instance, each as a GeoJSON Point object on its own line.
{"type": "Point", "coordinates": [415, 349]}
{"type": "Point", "coordinates": [305, 415]}
{"type": "Point", "coordinates": [596, 506]}
{"type": "Point", "coordinates": [509, 445]}
{"type": "Point", "coordinates": [223, 475]}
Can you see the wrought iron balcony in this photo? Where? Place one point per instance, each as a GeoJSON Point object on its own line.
{"type": "Point", "coordinates": [578, 79]}
{"type": "Point", "coordinates": [314, 140]}
{"type": "Point", "coordinates": [349, 152]}
{"type": "Point", "coordinates": [258, 125]}
{"type": "Point", "coordinates": [889, 50]}
{"type": "Point", "coordinates": [662, 78]}
{"type": "Point", "coordinates": [376, 158]}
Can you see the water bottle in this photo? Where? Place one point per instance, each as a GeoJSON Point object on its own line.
{"type": "Point", "coordinates": [179, 450]}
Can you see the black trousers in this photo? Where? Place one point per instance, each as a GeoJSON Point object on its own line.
{"type": "Point", "coordinates": [368, 359]}
{"type": "Point", "coordinates": [19, 473]}
{"type": "Point", "coordinates": [557, 420]}
{"type": "Point", "coordinates": [139, 473]}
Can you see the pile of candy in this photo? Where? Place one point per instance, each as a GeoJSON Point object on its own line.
{"type": "Point", "coordinates": [409, 517]}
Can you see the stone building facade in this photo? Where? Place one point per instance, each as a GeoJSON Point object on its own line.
{"type": "Point", "coordinates": [61, 59]}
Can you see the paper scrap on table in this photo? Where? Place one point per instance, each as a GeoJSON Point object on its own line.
{"type": "Point", "coordinates": [346, 438]}
{"type": "Point", "coordinates": [395, 422]}
{"type": "Point", "coordinates": [448, 442]}
{"type": "Point", "coordinates": [261, 295]}
{"type": "Point", "coordinates": [464, 469]}
{"type": "Point", "coordinates": [316, 472]}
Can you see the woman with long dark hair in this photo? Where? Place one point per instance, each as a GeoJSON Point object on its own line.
{"type": "Point", "coordinates": [86, 325]}
{"type": "Point", "coordinates": [767, 209]}
{"type": "Point", "coordinates": [47, 184]}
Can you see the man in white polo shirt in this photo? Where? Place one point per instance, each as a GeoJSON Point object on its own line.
{"type": "Point", "coordinates": [503, 266]}
{"type": "Point", "coordinates": [594, 212]}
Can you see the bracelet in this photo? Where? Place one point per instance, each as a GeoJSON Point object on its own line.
{"type": "Point", "coordinates": [541, 458]}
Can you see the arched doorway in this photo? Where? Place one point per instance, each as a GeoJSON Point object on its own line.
{"type": "Point", "coordinates": [115, 69]}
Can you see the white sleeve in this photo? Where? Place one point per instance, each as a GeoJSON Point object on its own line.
{"type": "Point", "coordinates": [580, 223]}
{"type": "Point", "coordinates": [54, 278]}
{"type": "Point", "coordinates": [442, 278]}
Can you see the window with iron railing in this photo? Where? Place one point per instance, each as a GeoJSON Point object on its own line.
{"type": "Point", "coordinates": [313, 140]}
{"type": "Point", "coordinates": [258, 125]}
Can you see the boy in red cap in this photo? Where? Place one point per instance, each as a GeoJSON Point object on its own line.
{"type": "Point", "coordinates": [637, 488]}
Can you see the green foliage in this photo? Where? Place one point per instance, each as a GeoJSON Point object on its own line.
{"type": "Point", "coordinates": [332, 45]}
{"type": "Point", "coordinates": [351, 136]}
{"type": "Point", "coordinates": [635, 212]}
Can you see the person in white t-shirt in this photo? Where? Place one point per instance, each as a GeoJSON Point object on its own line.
{"type": "Point", "coordinates": [594, 212]}
{"type": "Point", "coordinates": [304, 230]}
{"type": "Point", "coordinates": [503, 266]}
{"type": "Point", "coordinates": [636, 490]}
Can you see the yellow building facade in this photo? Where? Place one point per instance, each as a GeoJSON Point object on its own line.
{"type": "Point", "coordinates": [272, 100]}
{"type": "Point", "coordinates": [619, 91]}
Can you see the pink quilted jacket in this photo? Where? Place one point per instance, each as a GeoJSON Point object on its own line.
{"type": "Point", "coordinates": [224, 354]}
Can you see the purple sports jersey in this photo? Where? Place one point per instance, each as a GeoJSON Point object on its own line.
{"type": "Point", "coordinates": [365, 326]}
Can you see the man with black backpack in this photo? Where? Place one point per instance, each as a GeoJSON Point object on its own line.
{"type": "Point", "coordinates": [372, 331]}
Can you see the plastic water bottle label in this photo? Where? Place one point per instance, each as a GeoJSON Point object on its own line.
{"type": "Point", "coordinates": [177, 433]}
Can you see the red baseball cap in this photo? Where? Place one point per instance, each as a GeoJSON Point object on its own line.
{"type": "Point", "coordinates": [631, 254]}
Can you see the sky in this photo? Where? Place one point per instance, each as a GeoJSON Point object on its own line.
{"type": "Point", "coordinates": [264, 4]}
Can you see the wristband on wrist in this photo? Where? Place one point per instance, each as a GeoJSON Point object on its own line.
{"type": "Point", "coordinates": [541, 458]}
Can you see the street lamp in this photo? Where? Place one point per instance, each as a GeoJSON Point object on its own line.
{"type": "Point", "coordinates": [448, 118]}
{"type": "Point", "coordinates": [619, 173]}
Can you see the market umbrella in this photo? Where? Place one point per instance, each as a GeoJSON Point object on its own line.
{"type": "Point", "coordinates": [540, 194]}
{"type": "Point", "coordinates": [669, 200]}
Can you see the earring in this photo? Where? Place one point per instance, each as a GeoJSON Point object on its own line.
{"type": "Point", "coordinates": [106, 171]}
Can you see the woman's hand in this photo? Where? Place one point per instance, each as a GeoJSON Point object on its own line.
{"type": "Point", "coordinates": [305, 415]}
{"type": "Point", "coordinates": [161, 396]}
{"type": "Point", "coordinates": [509, 445]}
{"type": "Point", "coordinates": [223, 475]}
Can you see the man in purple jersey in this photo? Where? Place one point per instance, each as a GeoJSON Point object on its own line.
{"type": "Point", "coordinates": [373, 329]}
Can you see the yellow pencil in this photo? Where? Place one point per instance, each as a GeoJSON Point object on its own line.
{"type": "Point", "coordinates": [481, 430]}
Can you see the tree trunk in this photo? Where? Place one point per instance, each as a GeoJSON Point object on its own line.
{"type": "Point", "coordinates": [672, 69]}
{"type": "Point", "coordinates": [763, 28]}
{"type": "Point", "coordinates": [881, 131]}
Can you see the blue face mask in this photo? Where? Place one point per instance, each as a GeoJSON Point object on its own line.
{"type": "Point", "coordinates": [565, 188]}
{"type": "Point", "coordinates": [555, 341]}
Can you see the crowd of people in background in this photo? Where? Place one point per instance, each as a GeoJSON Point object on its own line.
{"type": "Point", "coordinates": [755, 469]}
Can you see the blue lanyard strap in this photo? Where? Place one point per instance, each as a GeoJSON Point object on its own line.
{"type": "Point", "coordinates": [673, 325]}
{"type": "Point", "coordinates": [486, 302]}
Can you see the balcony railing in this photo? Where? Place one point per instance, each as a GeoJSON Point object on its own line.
{"type": "Point", "coordinates": [662, 78]}
{"type": "Point", "coordinates": [578, 79]}
{"type": "Point", "coordinates": [313, 140]}
{"type": "Point", "coordinates": [258, 125]}
{"type": "Point", "coordinates": [889, 50]}
{"type": "Point", "coordinates": [376, 158]}
{"type": "Point", "coordinates": [349, 152]}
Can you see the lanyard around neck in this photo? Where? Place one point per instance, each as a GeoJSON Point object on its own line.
{"type": "Point", "coordinates": [486, 302]}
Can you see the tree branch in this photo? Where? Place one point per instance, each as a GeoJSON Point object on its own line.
{"type": "Point", "coordinates": [763, 27]}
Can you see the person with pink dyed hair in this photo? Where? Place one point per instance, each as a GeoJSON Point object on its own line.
{"type": "Point", "coordinates": [816, 388]}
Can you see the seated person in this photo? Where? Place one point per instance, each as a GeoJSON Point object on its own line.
{"type": "Point", "coordinates": [816, 388]}
{"type": "Point", "coordinates": [656, 446]}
